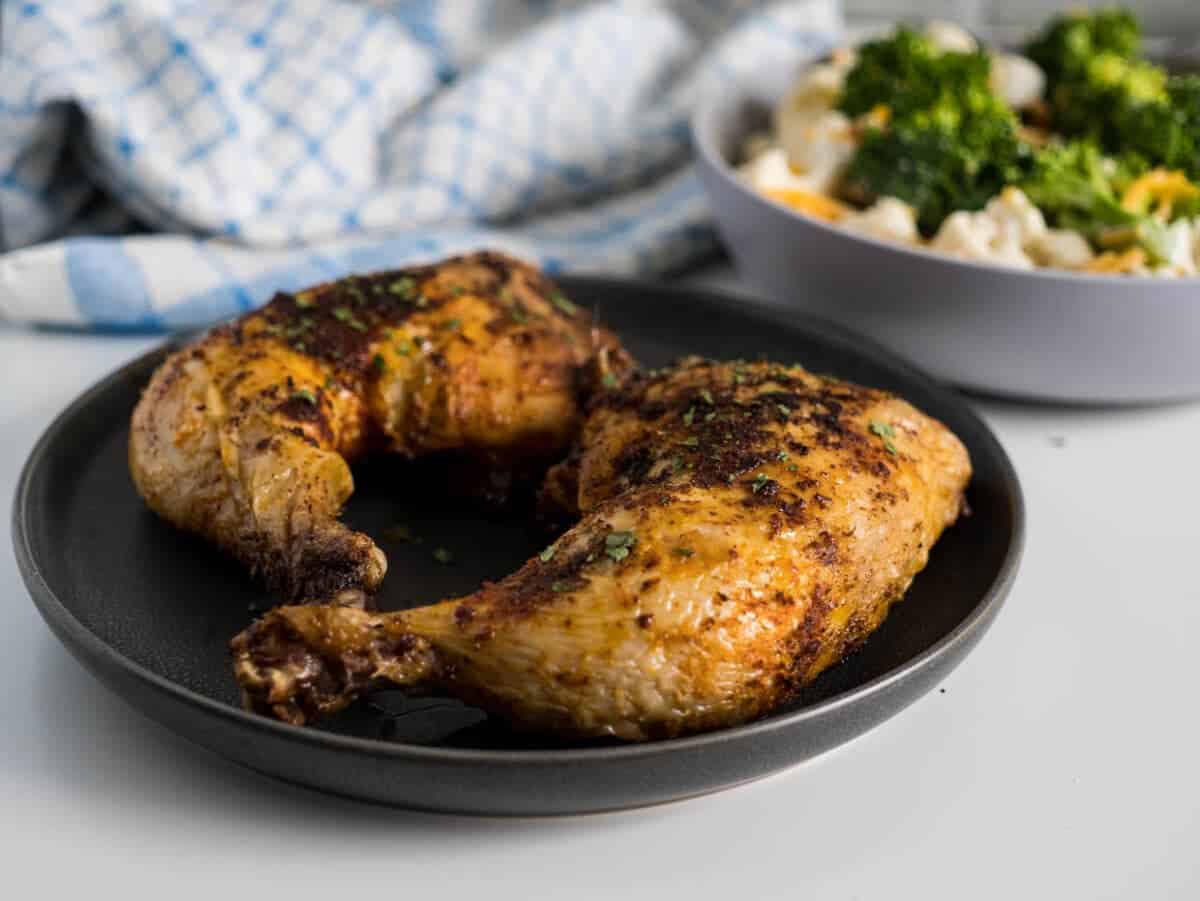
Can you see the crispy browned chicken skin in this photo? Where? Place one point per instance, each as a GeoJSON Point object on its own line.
{"type": "Point", "coordinates": [743, 527]}
{"type": "Point", "coordinates": [245, 436]}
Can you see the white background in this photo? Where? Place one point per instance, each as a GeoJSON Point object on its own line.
{"type": "Point", "coordinates": [1059, 761]}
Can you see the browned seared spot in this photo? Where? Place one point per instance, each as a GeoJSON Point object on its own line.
{"type": "Point", "coordinates": [824, 548]}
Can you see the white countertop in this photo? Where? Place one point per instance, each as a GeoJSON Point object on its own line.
{"type": "Point", "coordinates": [1059, 761]}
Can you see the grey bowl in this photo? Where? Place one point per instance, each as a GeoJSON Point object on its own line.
{"type": "Point", "coordinates": [1047, 335]}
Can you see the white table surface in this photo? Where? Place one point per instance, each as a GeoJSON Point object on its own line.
{"type": "Point", "coordinates": [1059, 761]}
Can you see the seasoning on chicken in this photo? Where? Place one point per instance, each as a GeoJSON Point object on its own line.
{"type": "Point", "coordinates": [743, 527]}
{"type": "Point", "coordinates": [245, 437]}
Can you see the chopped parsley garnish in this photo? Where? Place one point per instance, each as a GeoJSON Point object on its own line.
{"type": "Point", "coordinates": [401, 532]}
{"type": "Point", "coordinates": [560, 301]}
{"type": "Point", "coordinates": [452, 325]}
{"type": "Point", "coordinates": [784, 410]}
{"type": "Point", "coordinates": [404, 287]}
{"type": "Point", "coordinates": [781, 456]}
{"type": "Point", "coordinates": [379, 363]}
{"type": "Point", "coordinates": [518, 314]}
{"type": "Point", "coordinates": [560, 587]}
{"type": "Point", "coordinates": [403, 348]}
{"type": "Point", "coordinates": [689, 415]}
{"type": "Point", "coordinates": [885, 433]}
{"type": "Point", "coordinates": [683, 552]}
{"type": "Point", "coordinates": [343, 314]}
{"type": "Point", "coordinates": [710, 416]}
{"type": "Point", "coordinates": [676, 464]}
{"type": "Point", "coordinates": [618, 544]}
{"type": "Point", "coordinates": [330, 382]}
{"type": "Point", "coordinates": [422, 302]}
{"type": "Point", "coordinates": [691, 442]}
{"type": "Point", "coordinates": [443, 556]}
{"type": "Point", "coordinates": [305, 395]}
{"type": "Point", "coordinates": [608, 380]}
{"type": "Point", "coordinates": [548, 554]}
{"type": "Point", "coordinates": [706, 396]}
{"type": "Point", "coordinates": [738, 378]}
{"type": "Point", "coordinates": [458, 291]}
{"type": "Point", "coordinates": [760, 482]}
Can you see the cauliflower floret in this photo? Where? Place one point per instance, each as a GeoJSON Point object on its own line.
{"type": "Point", "coordinates": [1179, 250]}
{"type": "Point", "coordinates": [950, 38]}
{"type": "Point", "coordinates": [815, 91]}
{"type": "Point", "coordinates": [1017, 80]}
{"type": "Point", "coordinates": [1014, 212]}
{"type": "Point", "coordinates": [1176, 246]}
{"type": "Point", "coordinates": [817, 139]}
{"type": "Point", "coordinates": [820, 148]}
{"type": "Point", "coordinates": [1002, 232]}
{"type": "Point", "coordinates": [770, 171]}
{"type": "Point", "coordinates": [977, 236]}
{"type": "Point", "coordinates": [757, 143]}
{"type": "Point", "coordinates": [1061, 249]}
{"type": "Point", "coordinates": [889, 220]}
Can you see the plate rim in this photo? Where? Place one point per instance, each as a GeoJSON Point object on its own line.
{"type": "Point", "coordinates": [58, 616]}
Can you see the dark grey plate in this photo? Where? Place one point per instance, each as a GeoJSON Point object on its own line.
{"type": "Point", "coordinates": [149, 610]}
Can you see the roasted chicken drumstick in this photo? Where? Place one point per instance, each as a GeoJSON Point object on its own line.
{"type": "Point", "coordinates": [245, 437]}
{"type": "Point", "coordinates": [743, 527]}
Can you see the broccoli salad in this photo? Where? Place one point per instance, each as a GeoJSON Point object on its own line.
{"type": "Point", "coordinates": [1075, 154]}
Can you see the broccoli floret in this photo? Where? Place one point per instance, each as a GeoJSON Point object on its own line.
{"type": "Point", "coordinates": [1074, 187]}
{"type": "Point", "coordinates": [1165, 133]}
{"type": "Point", "coordinates": [1187, 209]}
{"type": "Point", "coordinates": [1077, 187]}
{"type": "Point", "coordinates": [1100, 89]}
{"type": "Point", "coordinates": [1108, 90]}
{"type": "Point", "coordinates": [1070, 42]}
{"type": "Point", "coordinates": [889, 70]}
{"type": "Point", "coordinates": [1117, 31]}
{"type": "Point", "coordinates": [934, 168]}
{"type": "Point", "coordinates": [908, 74]}
{"type": "Point", "coordinates": [950, 142]}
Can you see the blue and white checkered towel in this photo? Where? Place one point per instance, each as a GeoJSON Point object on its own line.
{"type": "Point", "coordinates": [165, 163]}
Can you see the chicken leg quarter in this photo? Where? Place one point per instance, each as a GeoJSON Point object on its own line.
{"type": "Point", "coordinates": [245, 437]}
{"type": "Point", "coordinates": [743, 527]}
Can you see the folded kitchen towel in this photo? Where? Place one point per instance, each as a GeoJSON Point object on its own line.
{"type": "Point", "coordinates": [166, 163]}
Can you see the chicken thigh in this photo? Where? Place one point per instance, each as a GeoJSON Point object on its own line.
{"type": "Point", "coordinates": [246, 436]}
{"type": "Point", "coordinates": [743, 527]}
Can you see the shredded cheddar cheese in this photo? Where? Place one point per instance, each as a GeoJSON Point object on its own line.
{"type": "Point", "coordinates": [1113, 263]}
{"type": "Point", "coordinates": [813, 204]}
{"type": "Point", "coordinates": [877, 117]}
{"type": "Point", "coordinates": [1161, 185]}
